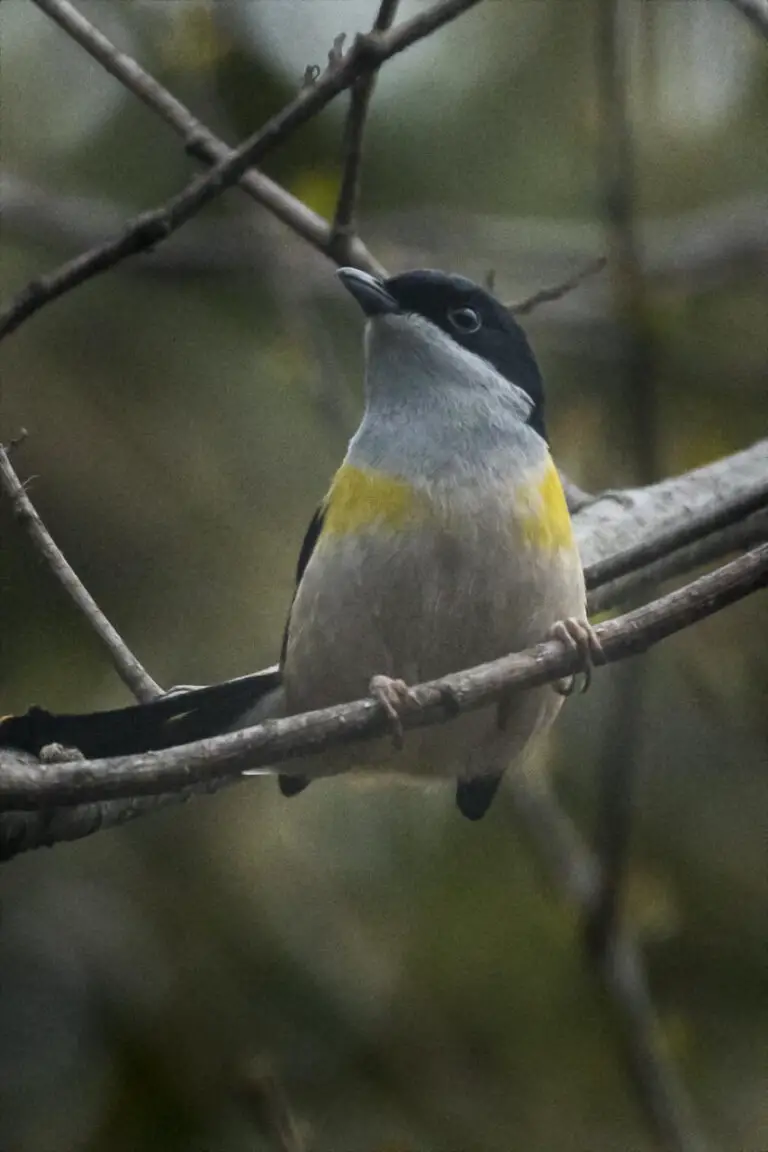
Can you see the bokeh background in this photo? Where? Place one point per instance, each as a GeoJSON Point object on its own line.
{"type": "Point", "coordinates": [360, 959]}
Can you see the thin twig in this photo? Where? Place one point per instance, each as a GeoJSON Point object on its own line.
{"type": "Point", "coordinates": [128, 668]}
{"type": "Point", "coordinates": [756, 11]}
{"type": "Point", "coordinates": [343, 229]}
{"type": "Point", "coordinates": [151, 227]}
{"type": "Point", "coordinates": [27, 787]}
{"type": "Point", "coordinates": [558, 291]}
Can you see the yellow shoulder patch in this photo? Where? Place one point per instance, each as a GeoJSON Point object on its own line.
{"type": "Point", "coordinates": [546, 519]}
{"type": "Point", "coordinates": [360, 498]}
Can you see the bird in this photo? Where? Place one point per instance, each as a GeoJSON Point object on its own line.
{"type": "Point", "coordinates": [444, 541]}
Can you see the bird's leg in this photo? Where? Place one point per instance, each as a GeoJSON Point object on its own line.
{"type": "Point", "coordinates": [578, 636]}
{"type": "Point", "coordinates": [395, 698]}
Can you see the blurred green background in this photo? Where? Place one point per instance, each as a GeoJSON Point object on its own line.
{"type": "Point", "coordinates": [405, 980]}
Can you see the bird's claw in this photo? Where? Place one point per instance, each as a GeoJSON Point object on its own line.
{"type": "Point", "coordinates": [577, 636]}
{"type": "Point", "coordinates": [395, 698]}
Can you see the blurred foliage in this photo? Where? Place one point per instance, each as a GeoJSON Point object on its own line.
{"type": "Point", "coordinates": [407, 977]}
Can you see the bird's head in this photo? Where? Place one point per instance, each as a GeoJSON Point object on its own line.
{"type": "Point", "coordinates": [441, 327]}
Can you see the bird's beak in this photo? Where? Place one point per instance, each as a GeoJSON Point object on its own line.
{"type": "Point", "coordinates": [369, 292]}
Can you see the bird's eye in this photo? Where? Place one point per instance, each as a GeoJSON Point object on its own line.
{"type": "Point", "coordinates": [465, 319]}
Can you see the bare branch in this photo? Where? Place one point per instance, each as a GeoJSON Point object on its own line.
{"type": "Point", "coordinates": [24, 831]}
{"type": "Point", "coordinates": [28, 787]}
{"type": "Point", "coordinates": [149, 228]}
{"type": "Point", "coordinates": [343, 229]}
{"type": "Point", "coordinates": [609, 526]}
{"type": "Point", "coordinates": [735, 538]}
{"type": "Point", "coordinates": [128, 668]}
{"type": "Point", "coordinates": [756, 11]}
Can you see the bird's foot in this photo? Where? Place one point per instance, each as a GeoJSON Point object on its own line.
{"type": "Point", "coordinates": [577, 636]}
{"type": "Point", "coordinates": [395, 698]}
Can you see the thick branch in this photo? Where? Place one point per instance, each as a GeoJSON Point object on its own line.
{"type": "Point", "coordinates": [128, 668]}
{"type": "Point", "coordinates": [279, 741]}
{"type": "Point", "coordinates": [151, 227]}
{"type": "Point", "coordinates": [610, 526]}
{"type": "Point", "coordinates": [23, 831]}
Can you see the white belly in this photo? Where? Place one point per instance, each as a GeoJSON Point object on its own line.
{"type": "Point", "coordinates": [417, 605]}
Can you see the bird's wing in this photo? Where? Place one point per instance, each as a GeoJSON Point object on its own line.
{"type": "Point", "coordinates": [176, 718]}
{"type": "Point", "coordinates": [311, 536]}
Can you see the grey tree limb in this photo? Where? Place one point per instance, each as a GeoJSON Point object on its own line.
{"type": "Point", "coordinates": [692, 249]}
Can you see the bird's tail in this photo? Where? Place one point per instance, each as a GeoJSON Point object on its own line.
{"type": "Point", "coordinates": [176, 718]}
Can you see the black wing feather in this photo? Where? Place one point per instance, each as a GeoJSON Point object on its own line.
{"type": "Point", "coordinates": [292, 785]}
{"type": "Point", "coordinates": [311, 537]}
